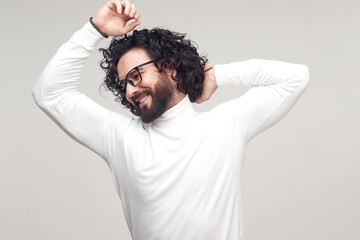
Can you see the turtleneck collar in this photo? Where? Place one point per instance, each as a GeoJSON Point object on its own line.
{"type": "Point", "coordinates": [178, 114]}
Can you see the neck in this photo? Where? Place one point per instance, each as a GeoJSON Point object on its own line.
{"type": "Point", "coordinates": [176, 115]}
{"type": "Point", "coordinates": [177, 97]}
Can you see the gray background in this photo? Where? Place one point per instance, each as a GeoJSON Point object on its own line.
{"type": "Point", "coordinates": [301, 177]}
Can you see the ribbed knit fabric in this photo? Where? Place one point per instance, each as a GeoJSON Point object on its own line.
{"type": "Point", "coordinates": [179, 178]}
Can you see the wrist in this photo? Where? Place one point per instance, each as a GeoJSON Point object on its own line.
{"type": "Point", "coordinates": [95, 24]}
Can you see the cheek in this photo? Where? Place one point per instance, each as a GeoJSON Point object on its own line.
{"type": "Point", "coordinates": [128, 98]}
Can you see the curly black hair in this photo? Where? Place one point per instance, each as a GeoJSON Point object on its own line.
{"type": "Point", "coordinates": [168, 49]}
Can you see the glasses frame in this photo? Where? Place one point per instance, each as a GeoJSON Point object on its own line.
{"type": "Point", "coordinates": [126, 80]}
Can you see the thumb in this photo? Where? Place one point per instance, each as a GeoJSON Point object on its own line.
{"type": "Point", "coordinates": [131, 26]}
{"type": "Point", "coordinates": [200, 99]}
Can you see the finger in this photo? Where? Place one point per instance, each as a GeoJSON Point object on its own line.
{"type": "Point", "coordinates": [127, 7]}
{"type": "Point", "coordinates": [131, 26]}
{"type": "Point", "coordinates": [122, 7]}
{"type": "Point", "coordinates": [112, 5]}
{"type": "Point", "coordinates": [198, 101]}
{"type": "Point", "coordinates": [133, 11]}
{"type": "Point", "coordinates": [117, 5]}
{"type": "Point", "coordinates": [137, 15]}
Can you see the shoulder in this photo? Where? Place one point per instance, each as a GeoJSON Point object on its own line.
{"type": "Point", "coordinates": [118, 123]}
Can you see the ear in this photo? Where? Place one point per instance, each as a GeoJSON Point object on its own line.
{"type": "Point", "coordinates": [173, 73]}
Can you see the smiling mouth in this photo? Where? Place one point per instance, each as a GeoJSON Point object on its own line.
{"type": "Point", "coordinates": [143, 99]}
{"type": "Point", "coordinates": [140, 97]}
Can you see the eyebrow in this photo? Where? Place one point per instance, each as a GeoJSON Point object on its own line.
{"type": "Point", "coordinates": [139, 68]}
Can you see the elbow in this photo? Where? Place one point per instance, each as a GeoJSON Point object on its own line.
{"type": "Point", "coordinates": [303, 76]}
{"type": "Point", "coordinates": [37, 96]}
{"type": "Point", "coordinates": [306, 75]}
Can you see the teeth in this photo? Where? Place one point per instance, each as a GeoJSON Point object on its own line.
{"type": "Point", "coordinates": [143, 99]}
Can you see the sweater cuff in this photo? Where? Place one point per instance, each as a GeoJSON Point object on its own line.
{"type": "Point", "coordinates": [87, 37]}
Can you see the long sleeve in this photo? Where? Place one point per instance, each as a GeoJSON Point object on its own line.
{"type": "Point", "coordinates": [277, 86]}
{"type": "Point", "coordinates": [56, 93]}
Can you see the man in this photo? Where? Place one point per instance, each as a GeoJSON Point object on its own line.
{"type": "Point", "coordinates": [177, 171]}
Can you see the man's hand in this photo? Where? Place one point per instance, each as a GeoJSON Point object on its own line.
{"type": "Point", "coordinates": [111, 18]}
{"type": "Point", "coordinates": [209, 86]}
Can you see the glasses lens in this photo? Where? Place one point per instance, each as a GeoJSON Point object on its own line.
{"type": "Point", "coordinates": [134, 77]}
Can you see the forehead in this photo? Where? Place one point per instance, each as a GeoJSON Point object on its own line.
{"type": "Point", "coordinates": [131, 59]}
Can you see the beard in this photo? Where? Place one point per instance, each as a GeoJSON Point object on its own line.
{"type": "Point", "coordinates": [161, 97]}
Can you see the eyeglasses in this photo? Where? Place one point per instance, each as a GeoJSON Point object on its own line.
{"type": "Point", "coordinates": [133, 77]}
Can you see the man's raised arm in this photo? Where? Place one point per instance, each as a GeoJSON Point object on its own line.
{"type": "Point", "coordinates": [277, 86]}
{"type": "Point", "coordinates": [56, 91]}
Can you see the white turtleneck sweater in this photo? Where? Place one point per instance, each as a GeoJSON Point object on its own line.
{"type": "Point", "coordinates": [179, 178]}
